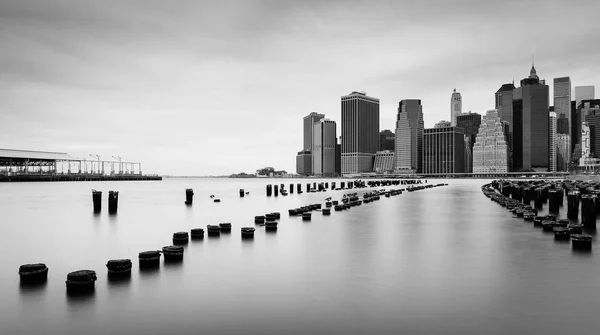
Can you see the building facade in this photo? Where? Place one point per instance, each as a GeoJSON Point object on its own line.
{"type": "Point", "coordinates": [584, 93]}
{"type": "Point", "coordinates": [455, 107]}
{"type": "Point", "coordinates": [360, 132]}
{"type": "Point", "coordinates": [504, 106]}
{"type": "Point", "coordinates": [563, 144]}
{"type": "Point", "coordinates": [444, 150]}
{"type": "Point", "coordinates": [387, 140]}
{"type": "Point", "coordinates": [490, 152]}
{"type": "Point", "coordinates": [562, 105]}
{"type": "Point", "coordinates": [324, 142]}
{"type": "Point", "coordinates": [470, 124]}
{"type": "Point", "coordinates": [409, 136]}
{"type": "Point", "coordinates": [304, 163]}
{"type": "Point", "coordinates": [552, 146]}
{"type": "Point", "coordinates": [384, 161]}
{"type": "Point", "coordinates": [530, 124]}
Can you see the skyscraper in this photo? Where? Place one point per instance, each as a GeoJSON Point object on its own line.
{"type": "Point", "coordinates": [563, 145]}
{"type": "Point", "coordinates": [360, 132]}
{"type": "Point", "coordinates": [409, 136]}
{"type": "Point", "coordinates": [444, 150]}
{"type": "Point", "coordinates": [552, 142]}
{"type": "Point", "coordinates": [455, 107]}
{"type": "Point", "coordinates": [470, 124]}
{"type": "Point", "coordinates": [324, 142]}
{"type": "Point", "coordinates": [387, 140]}
{"type": "Point", "coordinates": [530, 124]}
{"type": "Point", "coordinates": [504, 106]}
{"type": "Point", "coordinates": [490, 152]}
{"type": "Point", "coordinates": [304, 158]}
{"type": "Point", "coordinates": [584, 93]}
{"type": "Point", "coordinates": [562, 104]}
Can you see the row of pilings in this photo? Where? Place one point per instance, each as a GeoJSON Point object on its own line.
{"type": "Point", "coordinates": [343, 185]}
{"type": "Point", "coordinates": [516, 196]}
{"type": "Point", "coordinates": [83, 281]}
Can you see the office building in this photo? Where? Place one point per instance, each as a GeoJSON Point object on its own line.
{"type": "Point", "coordinates": [384, 161]}
{"type": "Point", "coordinates": [324, 142]}
{"type": "Point", "coordinates": [305, 156]}
{"type": "Point", "coordinates": [360, 132]}
{"type": "Point", "coordinates": [585, 144]}
{"type": "Point", "coordinates": [562, 105]}
{"type": "Point", "coordinates": [590, 110]}
{"type": "Point", "coordinates": [443, 124]}
{"type": "Point", "coordinates": [409, 136]}
{"type": "Point", "coordinates": [455, 107]}
{"type": "Point", "coordinates": [338, 158]}
{"type": "Point", "coordinates": [563, 144]}
{"type": "Point", "coordinates": [579, 113]}
{"type": "Point", "coordinates": [444, 150]}
{"type": "Point", "coordinates": [387, 140]}
{"type": "Point", "coordinates": [490, 152]}
{"type": "Point", "coordinates": [470, 124]}
{"type": "Point", "coordinates": [504, 106]}
{"type": "Point", "coordinates": [552, 142]}
{"type": "Point", "coordinates": [304, 163]}
{"type": "Point", "coordinates": [584, 93]}
{"type": "Point", "coordinates": [530, 124]}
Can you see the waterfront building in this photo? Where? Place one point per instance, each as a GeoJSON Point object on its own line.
{"type": "Point", "coordinates": [563, 144]}
{"type": "Point", "coordinates": [584, 93]}
{"type": "Point", "coordinates": [579, 113]}
{"type": "Point", "coordinates": [585, 144]}
{"type": "Point", "coordinates": [562, 104]}
{"type": "Point", "coordinates": [455, 107]}
{"type": "Point", "coordinates": [504, 106]}
{"type": "Point", "coordinates": [387, 140]}
{"type": "Point", "coordinates": [490, 152]}
{"type": "Point", "coordinates": [360, 132]}
{"type": "Point", "coordinates": [324, 142]}
{"type": "Point", "coordinates": [552, 142]}
{"type": "Point", "coordinates": [409, 136]}
{"type": "Point", "coordinates": [444, 150]}
{"type": "Point", "coordinates": [304, 163]}
{"type": "Point", "coordinates": [530, 124]}
{"type": "Point", "coordinates": [443, 124]}
{"type": "Point", "coordinates": [590, 111]}
{"type": "Point", "coordinates": [384, 161]}
{"type": "Point", "coordinates": [470, 124]}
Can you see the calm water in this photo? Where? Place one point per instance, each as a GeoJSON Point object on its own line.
{"type": "Point", "coordinates": [444, 260]}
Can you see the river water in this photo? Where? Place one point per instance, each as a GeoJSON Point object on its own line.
{"type": "Point", "coordinates": [439, 261]}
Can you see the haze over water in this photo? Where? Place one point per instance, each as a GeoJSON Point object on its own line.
{"type": "Point", "coordinates": [442, 260]}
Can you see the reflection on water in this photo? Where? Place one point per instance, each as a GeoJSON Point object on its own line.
{"type": "Point", "coordinates": [443, 260]}
{"type": "Point", "coordinates": [34, 288]}
{"type": "Point", "coordinates": [79, 298]}
{"type": "Point", "coordinates": [118, 280]}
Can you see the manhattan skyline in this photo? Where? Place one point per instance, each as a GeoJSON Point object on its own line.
{"type": "Point", "coordinates": [198, 88]}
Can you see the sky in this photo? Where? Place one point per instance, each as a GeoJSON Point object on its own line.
{"type": "Point", "coordinates": [219, 87]}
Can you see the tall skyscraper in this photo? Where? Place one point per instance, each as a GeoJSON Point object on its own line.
{"type": "Point", "coordinates": [470, 124]}
{"type": "Point", "coordinates": [584, 93]}
{"type": "Point", "coordinates": [530, 124]}
{"type": "Point", "coordinates": [590, 111]}
{"type": "Point", "coordinates": [444, 150]}
{"type": "Point", "coordinates": [562, 104]}
{"type": "Point", "coordinates": [309, 122]}
{"type": "Point", "coordinates": [360, 132]}
{"type": "Point", "coordinates": [552, 142]}
{"type": "Point", "coordinates": [324, 142]}
{"type": "Point", "coordinates": [490, 152]}
{"type": "Point", "coordinates": [387, 140]}
{"type": "Point", "coordinates": [504, 106]}
{"type": "Point", "coordinates": [409, 136]}
{"type": "Point", "coordinates": [455, 107]}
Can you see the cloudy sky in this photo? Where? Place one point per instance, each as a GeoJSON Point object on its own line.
{"type": "Point", "coordinates": [216, 87]}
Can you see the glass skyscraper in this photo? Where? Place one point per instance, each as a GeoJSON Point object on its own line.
{"type": "Point", "coordinates": [409, 136]}
{"type": "Point", "coordinates": [360, 132]}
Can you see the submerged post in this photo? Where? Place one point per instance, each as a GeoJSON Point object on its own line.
{"type": "Point", "coordinates": [292, 188]}
{"type": "Point", "coordinates": [276, 187]}
{"type": "Point", "coordinates": [588, 210]}
{"type": "Point", "coordinates": [97, 199]}
{"type": "Point", "coordinates": [269, 190]}
{"type": "Point", "coordinates": [573, 204]}
{"type": "Point", "coordinates": [189, 196]}
{"type": "Point", "coordinates": [113, 201]}
{"type": "Point", "coordinates": [241, 192]}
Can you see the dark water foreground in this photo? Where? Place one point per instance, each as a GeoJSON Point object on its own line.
{"type": "Point", "coordinates": [438, 261]}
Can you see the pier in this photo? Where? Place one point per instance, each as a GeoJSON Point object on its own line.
{"type": "Point", "coordinates": [32, 166]}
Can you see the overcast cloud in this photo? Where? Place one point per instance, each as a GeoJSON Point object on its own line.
{"type": "Point", "coordinates": [216, 87]}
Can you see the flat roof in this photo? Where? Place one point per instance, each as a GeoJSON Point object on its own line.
{"type": "Point", "coordinates": [29, 154]}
